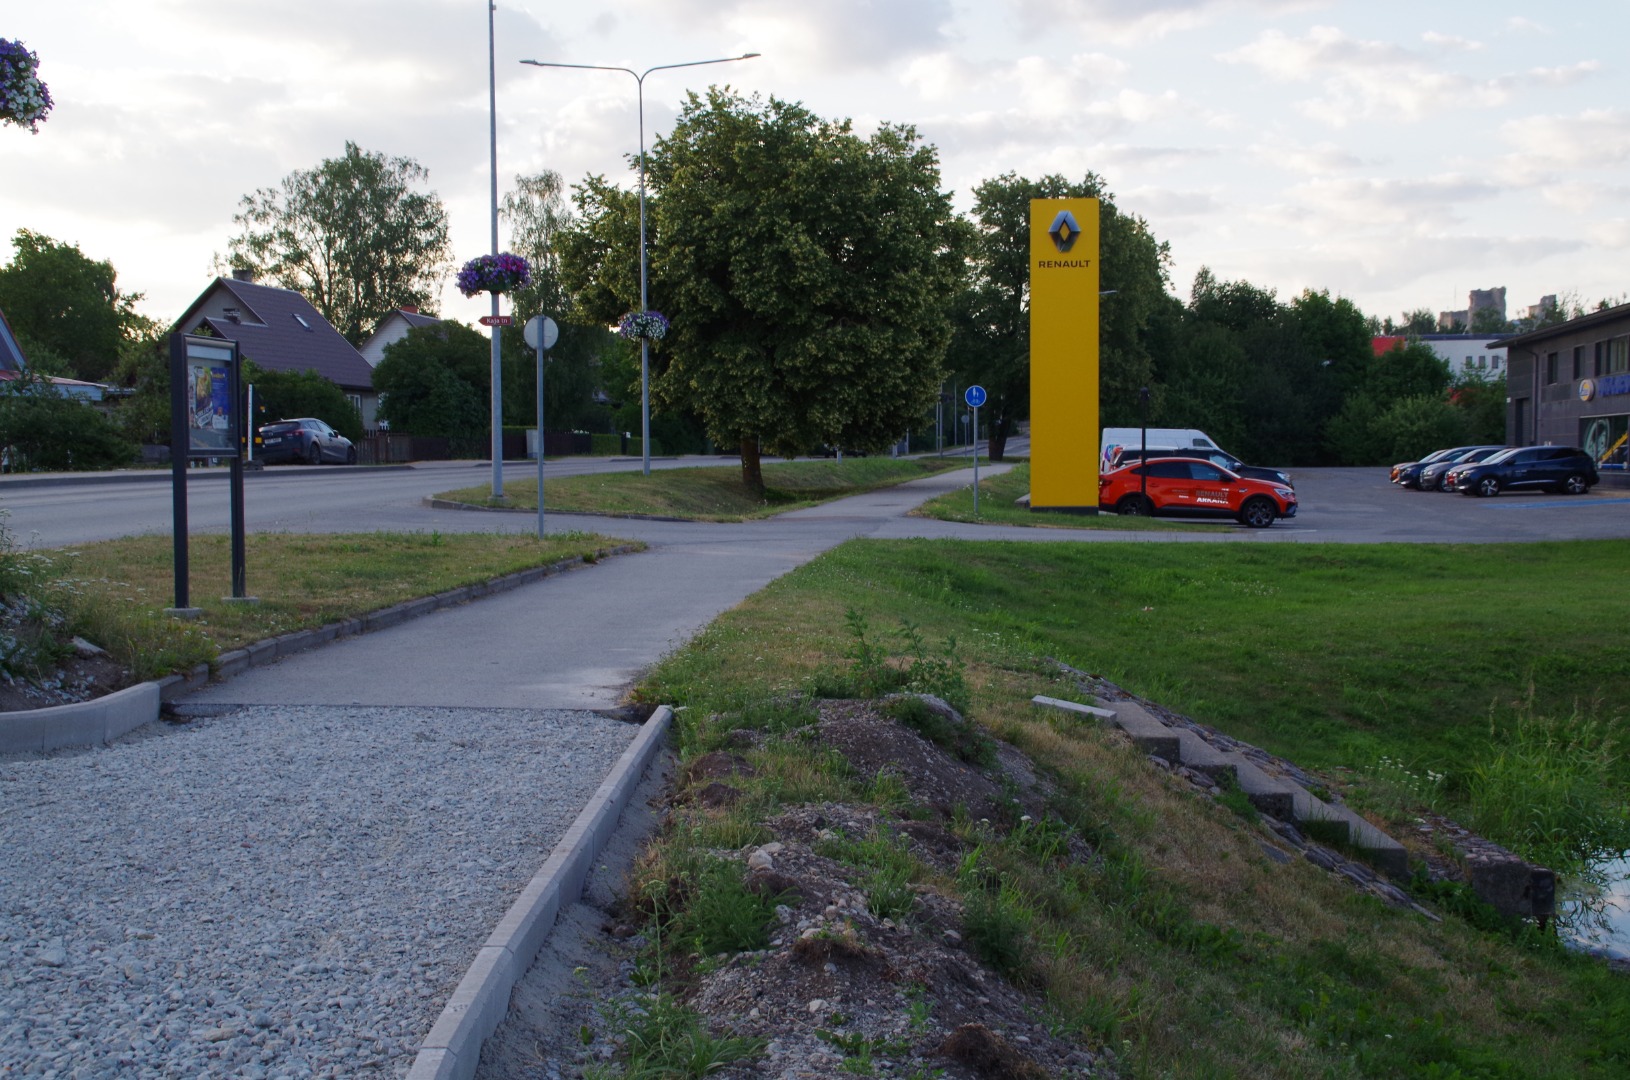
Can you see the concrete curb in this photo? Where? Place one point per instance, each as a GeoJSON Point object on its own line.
{"type": "Point", "coordinates": [452, 1050]}
{"type": "Point", "coordinates": [80, 723]}
{"type": "Point", "coordinates": [101, 720]}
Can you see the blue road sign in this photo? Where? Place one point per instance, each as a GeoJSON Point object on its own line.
{"type": "Point", "coordinates": [975, 396]}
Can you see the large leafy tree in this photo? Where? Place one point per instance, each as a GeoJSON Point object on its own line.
{"type": "Point", "coordinates": [283, 395]}
{"type": "Point", "coordinates": [538, 216]}
{"type": "Point", "coordinates": [354, 235]}
{"type": "Point", "coordinates": [66, 308]}
{"type": "Point", "coordinates": [807, 272]}
{"type": "Point", "coordinates": [435, 382]}
{"type": "Point", "coordinates": [993, 340]}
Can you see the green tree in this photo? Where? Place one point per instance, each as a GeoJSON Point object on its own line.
{"type": "Point", "coordinates": [352, 235]}
{"type": "Point", "coordinates": [1490, 321]}
{"type": "Point", "coordinates": [807, 273]}
{"type": "Point", "coordinates": [436, 381]}
{"type": "Point", "coordinates": [992, 346]}
{"type": "Point", "coordinates": [43, 429]}
{"type": "Point", "coordinates": [65, 307]}
{"type": "Point", "coordinates": [286, 395]}
{"type": "Point", "coordinates": [1482, 404]}
{"type": "Point", "coordinates": [537, 215]}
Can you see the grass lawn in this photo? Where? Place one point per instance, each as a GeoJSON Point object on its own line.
{"type": "Point", "coordinates": [1180, 945]}
{"type": "Point", "coordinates": [709, 493]}
{"type": "Point", "coordinates": [116, 591]}
{"type": "Point", "coordinates": [998, 505]}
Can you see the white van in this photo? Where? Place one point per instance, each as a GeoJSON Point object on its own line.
{"type": "Point", "coordinates": [1130, 438]}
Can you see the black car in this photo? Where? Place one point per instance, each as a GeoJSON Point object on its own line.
{"type": "Point", "coordinates": [1128, 454]}
{"type": "Point", "coordinates": [1431, 476]}
{"type": "Point", "coordinates": [1408, 473]}
{"type": "Point", "coordinates": [1549, 468]}
{"type": "Point", "coordinates": [303, 442]}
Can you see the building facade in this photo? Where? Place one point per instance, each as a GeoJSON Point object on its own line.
{"type": "Point", "coordinates": [1569, 385]}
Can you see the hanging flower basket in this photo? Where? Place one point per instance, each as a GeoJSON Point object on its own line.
{"type": "Point", "coordinates": [494, 274]}
{"type": "Point", "coordinates": [651, 325]}
{"type": "Point", "coordinates": [24, 100]}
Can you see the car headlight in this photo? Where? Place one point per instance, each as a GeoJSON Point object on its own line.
{"type": "Point", "coordinates": [1284, 493]}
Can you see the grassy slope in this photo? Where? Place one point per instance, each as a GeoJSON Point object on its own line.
{"type": "Point", "coordinates": [709, 493]}
{"type": "Point", "coordinates": [1184, 947]}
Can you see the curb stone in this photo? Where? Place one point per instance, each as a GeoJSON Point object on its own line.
{"type": "Point", "coordinates": [452, 1050]}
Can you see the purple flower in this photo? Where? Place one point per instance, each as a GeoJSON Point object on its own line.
{"type": "Point", "coordinates": [493, 273]}
{"type": "Point", "coordinates": [643, 324]}
{"type": "Point", "coordinates": [24, 99]}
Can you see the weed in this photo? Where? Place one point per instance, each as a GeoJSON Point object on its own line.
{"type": "Point", "coordinates": [965, 740]}
{"type": "Point", "coordinates": [941, 675]}
{"type": "Point", "coordinates": [870, 671]}
{"type": "Point", "coordinates": [661, 1039]}
{"type": "Point", "coordinates": [723, 916]}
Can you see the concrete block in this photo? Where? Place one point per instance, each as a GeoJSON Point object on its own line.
{"type": "Point", "coordinates": [437, 1065]}
{"type": "Point", "coordinates": [1268, 794]}
{"type": "Point", "coordinates": [232, 663]}
{"type": "Point", "coordinates": [1148, 734]}
{"type": "Point", "coordinates": [1088, 711]}
{"type": "Point", "coordinates": [1510, 885]}
{"type": "Point", "coordinates": [1202, 757]}
{"type": "Point", "coordinates": [477, 1006]}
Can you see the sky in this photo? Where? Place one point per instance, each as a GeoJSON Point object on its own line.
{"type": "Point", "coordinates": [1396, 154]}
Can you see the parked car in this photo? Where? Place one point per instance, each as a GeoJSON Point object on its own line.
{"type": "Point", "coordinates": [304, 441]}
{"type": "Point", "coordinates": [1431, 476]}
{"type": "Point", "coordinates": [1408, 473]}
{"type": "Point", "coordinates": [1191, 487]}
{"type": "Point", "coordinates": [1126, 455]}
{"type": "Point", "coordinates": [1553, 468]}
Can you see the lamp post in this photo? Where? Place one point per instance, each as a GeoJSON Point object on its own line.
{"type": "Point", "coordinates": [645, 343]}
{"type": "Point", "coordinates": [1143, 451]}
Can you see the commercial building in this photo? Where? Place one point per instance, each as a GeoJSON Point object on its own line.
{"type": "Point", "coordinates": [1569, 385]}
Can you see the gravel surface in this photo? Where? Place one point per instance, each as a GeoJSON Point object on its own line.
{"type": "Point", "coordinates": [282, 892]}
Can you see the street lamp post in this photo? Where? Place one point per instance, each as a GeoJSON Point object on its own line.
{"type": "Point", "coordinates": [645, 343]}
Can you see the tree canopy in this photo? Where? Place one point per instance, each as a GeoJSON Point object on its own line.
{"type": "Point", "coordinates": [65, 307]}
{"type": "Point", "coordinates": [435, 381]}
{"type": "Point", "coordinates": [807, 273]}
{"type": "Point", "coordinates": [352, 235]}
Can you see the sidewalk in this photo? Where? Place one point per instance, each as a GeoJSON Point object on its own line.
{"type": "Point", "coordinates": [271, 889]}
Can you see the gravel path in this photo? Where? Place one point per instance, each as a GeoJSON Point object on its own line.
{"type": "Point", "coordinates": [282, 892]}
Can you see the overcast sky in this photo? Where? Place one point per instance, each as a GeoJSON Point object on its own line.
{"type": "Point", "coordinates": [1398, 154]}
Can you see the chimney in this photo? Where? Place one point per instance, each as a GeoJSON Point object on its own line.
{"type": "Point", "coordinates": [244, 274]}
{"type": "Point", "coordinates": [411, 309]}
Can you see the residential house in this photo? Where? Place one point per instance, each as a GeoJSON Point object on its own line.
{"type": "Point", "coordinates": [391, 329]}
{"type": "Point", "coordinates": [279, 330]}
{"type": "Point", "coordinates": [1568, 384]}
{"type": "Point", "coordinates": [1468, 355]}
{"type": "Point", "coordinates": [13, 364]}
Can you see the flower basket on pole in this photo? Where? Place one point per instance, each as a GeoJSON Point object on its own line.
{"type": "Point", "coordinates": [650, 325]}
{"type": "Point", "coordinates": [24, 100]}
{"type": "Point", "coordinates": [494, 274]}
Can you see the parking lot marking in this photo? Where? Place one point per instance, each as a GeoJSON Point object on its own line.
{"type": "Point", "coordinates": [1554, 503]}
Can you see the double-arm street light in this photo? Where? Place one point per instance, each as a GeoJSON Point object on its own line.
{"type": "Point", "coordinates": [645, 343]}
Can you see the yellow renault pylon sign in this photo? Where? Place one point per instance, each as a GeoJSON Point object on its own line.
{"type": "Point", "coordinates": [1064, 355]}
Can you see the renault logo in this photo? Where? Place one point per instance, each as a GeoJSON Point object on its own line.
{"type": "Point", "coordinates": [1064, 231]}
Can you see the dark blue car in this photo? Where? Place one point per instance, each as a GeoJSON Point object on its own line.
{"type": "Point", "coordinates": [303, 442]}
{"type": "Point", "coordinates": [1525, 468]}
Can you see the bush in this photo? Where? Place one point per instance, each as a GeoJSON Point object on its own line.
{"type": "Point", "coordinates": [41, 429]}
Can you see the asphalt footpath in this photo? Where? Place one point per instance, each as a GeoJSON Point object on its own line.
{"type": "Point", "coordinates": [573, 641]}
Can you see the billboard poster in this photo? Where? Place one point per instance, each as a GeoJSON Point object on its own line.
{"type": "Point", "coordinates": [208, 385]}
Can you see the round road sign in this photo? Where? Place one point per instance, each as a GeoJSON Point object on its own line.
{"type": "Point", "coordinates": [541, 324]}
{"type": "Point", "coordinates": [975, 396]}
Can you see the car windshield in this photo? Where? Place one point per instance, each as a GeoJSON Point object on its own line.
{"type": "Point", "coordinates": [280, 427]}
{"type": "Point", "coordinates": [1495, 459]}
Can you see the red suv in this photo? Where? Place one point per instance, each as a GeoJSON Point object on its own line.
{"type": "Point", "coordinates": [1189, 487]}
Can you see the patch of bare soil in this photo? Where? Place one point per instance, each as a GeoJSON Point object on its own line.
{"type": "Point", "coordinates": [840, 991]}
{"type": "Point", "coordinates": [75, 671]}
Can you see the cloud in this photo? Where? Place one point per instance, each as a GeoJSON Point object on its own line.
{"type": "Point", "coordinates": [810, 37]}
{"type": "Point", "coordinates": [1363, 79]}
{"type": "Point", "coordinates": [1126, 21]}
{"type": "Point", "coordinates": [1593, 139]}
{"type": "Point", "coordinates": [1319, 159]}
{"type": "Point", "coordinates": [1425, 204]}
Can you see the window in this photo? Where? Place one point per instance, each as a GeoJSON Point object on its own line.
{"type": "Point", "coordinates": [1601, 358]}
{"type": "Point", "coordinates": [1618, 355]}
{"type": "Point", "coordinates": [1550, 368]}
{"type": "Point", "coordinates": [1494, 363]}
{"type": "Point", "coordinates": [1578, 362]}
{"type": "Point", "coordinates": [1482, 361]}
{"type": "Point", "coordinates": [1468, 361]}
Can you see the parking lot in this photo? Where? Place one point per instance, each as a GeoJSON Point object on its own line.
{"type": "Point", "coordinates": [1359, 505]}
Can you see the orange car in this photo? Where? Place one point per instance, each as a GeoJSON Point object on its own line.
{"type": "Point", "coordinates": [1188, 487]}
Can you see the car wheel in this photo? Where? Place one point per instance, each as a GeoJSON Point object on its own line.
{"type": "Point", "coordinates": [314, 455]}
{"type": "Point", "coordinates": [1488, 487]}
{"type": "Point", "coordinates": [1131, 505]}
{"type": "Point", "coordinates": [1575, 485]}
{"type": "Point", "coordinates": [351, 456]}
{"type": "Point", "coordinates": [1258, 513]}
